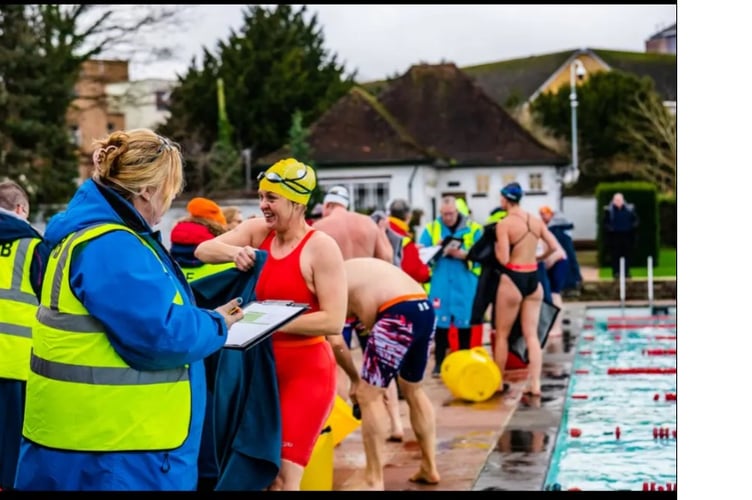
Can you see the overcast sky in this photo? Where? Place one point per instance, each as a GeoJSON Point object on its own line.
{"type": "Point", "coordinates": [380, 40]}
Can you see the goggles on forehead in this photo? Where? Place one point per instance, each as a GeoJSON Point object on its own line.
{"type": "Point", "coordinates": [291, 183]}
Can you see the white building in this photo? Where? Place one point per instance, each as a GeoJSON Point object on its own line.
{"type": "Point", "coordinates": [143, 103]}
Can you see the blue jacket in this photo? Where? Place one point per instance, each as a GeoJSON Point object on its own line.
{"type": "Point", "coordinates": [452, 283]}
{"type": "Point", "coordinates": [560, 227]}
{"type": "Point", "coordinates": [620, 220]}
{"type": "Point", "coordinates": [121, 283]}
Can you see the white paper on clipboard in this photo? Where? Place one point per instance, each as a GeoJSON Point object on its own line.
{"type": "Point", "coordinates": [428, 253]}
{"type": "Point", "coordinates": [260, 320]}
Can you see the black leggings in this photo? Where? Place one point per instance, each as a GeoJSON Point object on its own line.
{"type": "Point", "coordinates": [441, 343]}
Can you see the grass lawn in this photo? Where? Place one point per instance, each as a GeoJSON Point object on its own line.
{"type": "Point", "coordinates": [667, 267]}
{"type": "Point", "coordinates": [589, 258]}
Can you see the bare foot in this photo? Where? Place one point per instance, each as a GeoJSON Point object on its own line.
{"type": "Point", "coordinates": [422, 477]}
{"type": "Point", "coordinates": [362, 486]}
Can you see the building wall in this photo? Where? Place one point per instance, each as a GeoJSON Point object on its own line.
{"type": "Point", "coordinates": [88, 118]}
{"type": "Point", "coordinates": [423, 186]}
{"type": "Point", "coordinates": [665, 45]}
{"type": "Point", "coordinates": [592, 65]}
{"type": "Point", "coordinates": [142, 103]}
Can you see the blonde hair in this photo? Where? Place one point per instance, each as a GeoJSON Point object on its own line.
{"type": "Point", "coordinates": [230, 213]}
{"type": "Point", "coordinates": [133, 160]}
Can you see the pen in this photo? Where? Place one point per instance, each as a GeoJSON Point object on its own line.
{"type": "Point", "coordinates": [234, 310]}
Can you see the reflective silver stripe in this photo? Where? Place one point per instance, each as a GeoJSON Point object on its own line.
{"type": "Point", "coordinates": [104, 376]}
{"type": "Point", "coordinates": [78, 323]}
{"type": "Point", "coordinates": [18, 264]}
{"type": "Point", "coordinates": [17, 330]}
{"type": "Point", "coordinates": [15, 293]}
{"type": "Point", "coordinates": [18, 296]}
{"type": "Point", "coordinates": [58, 279]}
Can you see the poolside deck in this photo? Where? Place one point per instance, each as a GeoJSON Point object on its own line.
{"type": "Point", "coordinates": [467, 434]}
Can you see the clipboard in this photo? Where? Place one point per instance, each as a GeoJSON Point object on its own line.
{"type": "Point", "coordinates": [451, 242]}
{"type": "Point", "coordinates": [427, 254]}
{"type": "Point", "coordinates": [261, 319]}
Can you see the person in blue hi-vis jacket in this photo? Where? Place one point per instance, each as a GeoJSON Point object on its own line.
{"type": "Point", "coordinates": [453, 278]}
{"type": "Point", "coordinates": [116, 394]}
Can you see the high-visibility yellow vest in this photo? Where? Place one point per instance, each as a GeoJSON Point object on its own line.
{"type": "Point", "coordinates": [81, 395]}
{"type": "Point", "coordinates": [204, 270]}
{"type": "Point", "coordinates": [434, 231]}
{"type": "Point", "coordinates": [18, 305]}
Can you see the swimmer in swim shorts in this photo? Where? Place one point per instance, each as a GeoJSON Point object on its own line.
{"type": "Point", "coordinates": [394, 308]}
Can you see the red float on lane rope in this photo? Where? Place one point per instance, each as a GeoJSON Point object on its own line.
{"type": "Point", "coordinates": [635, 371]}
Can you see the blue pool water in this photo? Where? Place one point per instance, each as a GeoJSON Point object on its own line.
{"type": "Point", "coordinates": [597, 460]}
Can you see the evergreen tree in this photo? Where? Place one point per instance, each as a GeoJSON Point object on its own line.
{"type": "Point", "coordinates": [301, 151]}
{"type": "Point", "coordinates": [274, 64]}
{"type": "Point", "coordinates": [38, 75]}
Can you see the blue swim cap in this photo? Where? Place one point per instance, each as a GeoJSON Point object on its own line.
{"type": "Point", "coordinates": [512, 191]}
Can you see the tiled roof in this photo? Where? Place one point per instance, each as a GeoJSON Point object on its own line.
{"type": "Point", "coordinates": [431, 113]}
{"type": "Point", "coordinates": [356, 129]}
{"type": "Point", "coordinates": [660, 67]}
{"type": "Point", "coordinates": [450, 115]}
{"type": "Point", "coordinates": [518, 79]}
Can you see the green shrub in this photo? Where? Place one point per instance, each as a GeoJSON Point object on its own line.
{"type": "Point", "coordinates": [667, 214]}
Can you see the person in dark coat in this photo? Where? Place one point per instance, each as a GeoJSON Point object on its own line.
{"type": "Point", "coordinates": [561, 228]}
{"type": "Point", "coordinates": [620, 223]}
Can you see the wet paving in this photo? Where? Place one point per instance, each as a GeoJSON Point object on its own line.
{"type": "Point", "coordinates": [520, 458]}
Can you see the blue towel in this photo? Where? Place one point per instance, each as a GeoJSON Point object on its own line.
{"type": "Point", "coordinates": [245, 425]}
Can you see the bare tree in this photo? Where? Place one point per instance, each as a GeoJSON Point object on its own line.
{"type": "Point", "coordinates": [141, 34]}
{"type": "Point", "coordinates": [651, 131]}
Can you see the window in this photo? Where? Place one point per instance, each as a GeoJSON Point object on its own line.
{"type": "Point", "coordinates": [366, 195]}
{"type": "Point", "coordinates": [507, 178]}
{"type": "Point", "coordinates": [74, 135]}
{"type": "Point", "coordinates": [536, 182]}
{"type": "Point", "coordinates": [481, 183]}
{"type": "Point", "coordinates": [163, 100]}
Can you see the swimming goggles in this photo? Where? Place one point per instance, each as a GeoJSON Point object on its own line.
{"type": "Point", "coordinates": [290, 183]}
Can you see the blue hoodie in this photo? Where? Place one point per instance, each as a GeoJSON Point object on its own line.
{"type": "Point", "coordinates": [120, 283]}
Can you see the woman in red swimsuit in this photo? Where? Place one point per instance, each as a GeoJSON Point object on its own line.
{"type": "Point", "coordinates": [304, 265]}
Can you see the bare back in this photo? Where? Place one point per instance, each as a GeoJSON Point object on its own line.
{"type": "Point", "coordinates": [356, 234]}
{"type": "Point", "coordinates": [519, 233]}
{"type": "Point", "coordinates": [372, 283]}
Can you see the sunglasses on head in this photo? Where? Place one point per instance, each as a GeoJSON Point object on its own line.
{"type": "Point", "coordinates": [292, 183]}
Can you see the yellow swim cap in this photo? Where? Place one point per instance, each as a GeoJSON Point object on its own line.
{"type": "Point", "coordinates": [290, 179]}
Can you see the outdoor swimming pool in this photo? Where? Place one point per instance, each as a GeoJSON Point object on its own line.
{"type": "Point", "coordinates": [618, 428]}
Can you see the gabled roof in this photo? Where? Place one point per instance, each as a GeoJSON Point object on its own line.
{"type": "Point", "coordinates": [433, 113]}
{"type": "Point", "coordinates": [450, 115]}
{"type": "Point", "coordinates": [665, 33]}
{"type": "Point", "coordinates": [660, 67]}
{"type": "Point", "coordinates": [518, 80]}
{"type": "Point", "coordinates": [357, 129]}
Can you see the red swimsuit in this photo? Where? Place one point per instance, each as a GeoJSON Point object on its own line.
{"type": "Point", "coordinates": [306, 368]}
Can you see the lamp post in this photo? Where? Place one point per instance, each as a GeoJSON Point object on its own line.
{"type": "Point", "coordinates": [576, 71]}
